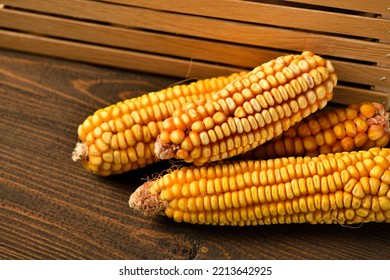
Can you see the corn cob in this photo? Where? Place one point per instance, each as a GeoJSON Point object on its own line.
{"type": "Point", "coordinates": [121, 137]}
{"type": "Point", "coordinates": [345, 188]}
{"type": "Point", "coordinates": [360, 126]}
{"type": "Point", "coordinates": [249, 111]}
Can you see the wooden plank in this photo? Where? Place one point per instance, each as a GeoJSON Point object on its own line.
{"type": "Point", "coordinates": [271, 14]}
{"type": "Point", "coordinates": [362, 74]}
{"type": "Point", "coordinates": [110, 57]}
{"type": "Point", "coordinates": [370, 6]}
{"type": "Point", "coordinates": [249, 34]}
{"type": "Point", "coordinates": [318, 21]}
{"type": "Point", "coordinates": [347, 95]}
{"type": "Point", "coordinates": [387, 65]}
{"type": "Point", "coordinates": [192, 49]}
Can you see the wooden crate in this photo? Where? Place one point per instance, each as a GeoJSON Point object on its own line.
{"type": "Point", "coordinates": [205, 38]}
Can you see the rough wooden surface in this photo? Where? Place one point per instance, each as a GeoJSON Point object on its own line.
{"type": "Point", "coordinates": [51, 208]}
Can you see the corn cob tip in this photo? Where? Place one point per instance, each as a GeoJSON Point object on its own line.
{"type": "Point", "coordinates": [380, 116]}
{"type": "Point", "coordinates": [80, 151]}
{"type": "Point", "coordinates": [146, 203]}
{"type": "Point", "coordinates": [164, 150]}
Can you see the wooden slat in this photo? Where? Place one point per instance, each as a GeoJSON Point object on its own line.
{"type": "Point", "coordinates": [238, 56]}
{"type": "Point", "coordinates": [270, 14]}
{"type": "Point", "coordinates": [347, 95]}
{"type": "Point", "coordinates": [257, 12]}
{"type": "Point", "coordinates": [370, 6]}
{"type": "Point", "coordinates": [384, 64]}
{"type": "Point", "coordinates": [249, 34]}
{"type": "Point", "coordinates": [362, 74]}
{"type": "Point", "coordinates": [111, 57]}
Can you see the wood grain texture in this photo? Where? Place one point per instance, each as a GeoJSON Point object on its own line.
{"type": "Point", "coordinates": [369, 6]}
{"type": "Point", "coordinates": [195, 49]}
{"type": "Point", "coordinates": [213, 28]}
{"type": "Point", "coordinates": [110, 56]}
{"type": "Point", "coordinates": [225, 31]}
{"type": "Point", "coordinates": [51, 208]}
{"type": "Point", "coordinates": [270, 14]}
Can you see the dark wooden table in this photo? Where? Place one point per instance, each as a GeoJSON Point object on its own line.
{"type": "Point", "coordinates": [51, 208]}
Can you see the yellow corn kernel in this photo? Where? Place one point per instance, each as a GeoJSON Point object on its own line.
{"type": "Point", "coordinates": [368, 110]}
{"type": "Point", "coordinates": [350, 128]}
{"type": "Point", "coordinates": [375, 132]}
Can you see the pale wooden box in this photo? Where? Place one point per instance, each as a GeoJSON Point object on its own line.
{"type": "Point", "coordinates": [199, 38]}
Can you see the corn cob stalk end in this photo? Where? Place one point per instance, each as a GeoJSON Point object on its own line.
{"type": "Point", "coordinates": [146, 203]}
{"type": "Point", "coordinates": [80, 151]}
{"type": "Point", "coordinates": [165, 150]}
